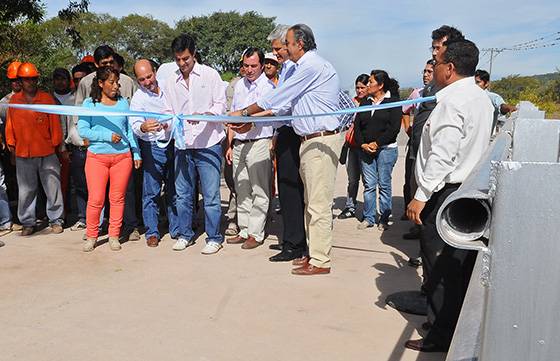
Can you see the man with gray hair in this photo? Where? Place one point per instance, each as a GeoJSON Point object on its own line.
{"type": "Point", "coordinates": [290, 185]}
{"type": "Point", "coordinates": [312, 88]}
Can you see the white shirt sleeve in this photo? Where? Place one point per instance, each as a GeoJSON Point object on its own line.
{"type": "Point", "coordinates": [136, 122]}
{"type": "Point", "coordinates": [446, 131]}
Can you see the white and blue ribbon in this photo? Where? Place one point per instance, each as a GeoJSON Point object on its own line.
{"type": "Point", "coordinates": [177, 127]}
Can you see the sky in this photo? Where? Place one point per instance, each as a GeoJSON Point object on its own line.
{"type": "Point", "coordinates": [358, 36]}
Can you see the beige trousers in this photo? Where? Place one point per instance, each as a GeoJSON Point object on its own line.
{"type": "Point", "coordinates": [319, 160]}
{"type": "Point", "coordinates": [252, 175]}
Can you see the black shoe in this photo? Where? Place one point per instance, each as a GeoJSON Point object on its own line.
{"type": "Point", "coordinates": [276, 247]}
{"type": "Point", "coordinates": [347, 213]}
{"type": "Point", "coordinates": [415, 262]}
{"type": "Point", "coordinates": [286, 255]}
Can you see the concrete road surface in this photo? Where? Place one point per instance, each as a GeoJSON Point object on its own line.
{"type": "Point", "coordinates": [59, 303]}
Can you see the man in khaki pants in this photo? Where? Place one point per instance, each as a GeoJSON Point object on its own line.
{"type": "Point", "coordinates": [250, 153]}
{"type": "Point", "coordinates": [313, 88]}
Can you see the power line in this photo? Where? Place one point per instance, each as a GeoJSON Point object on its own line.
{"type": "Point", "coordinates": [535, 40]}
{"type": "Point", "coordinates": [546, 41]}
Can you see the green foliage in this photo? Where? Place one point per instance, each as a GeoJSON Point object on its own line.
{"type": "Point", "coordinates": [222, 37]}
{"type": "Point", "coordinates": [543, 91]}
{"type": "Point", "coordinates": [21, 10]}
{"type": "Point", "coordinates": [228, 75]}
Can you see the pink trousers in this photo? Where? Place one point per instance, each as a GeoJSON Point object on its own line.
{"type": "Point", "coordinates": [101, 168]}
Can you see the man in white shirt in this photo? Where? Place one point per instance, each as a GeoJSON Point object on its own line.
{"type": "Point", "coordinates": [312, 88]}
{"type": "Point", "coordinates": [454, 138]}
{"type": "Point", "coordinates": [196, 89]}
{"type": "Point", "coordinates": [157, 161]}
{"type": "Point", "coordinates": [250, 154]}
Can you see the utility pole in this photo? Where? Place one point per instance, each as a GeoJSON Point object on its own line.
{"type": "Point", "coordinates": [491, 59]}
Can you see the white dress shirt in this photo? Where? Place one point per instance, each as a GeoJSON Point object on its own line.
{"type": "Point", "coordinates": [144, 100]}
{"type": "Point", "coordinates": [203, 94]}
{"type": "Point", "coordinates": [454, 138]}
{"type": "Point", "coordinates": [165, 72]}
{"type": "Point", "coordinates": [246, 93]}
{"type": "Point", "coordinates": [311, 89]}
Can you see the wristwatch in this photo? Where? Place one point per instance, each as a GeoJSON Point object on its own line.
{"type": "Point", "coordinates": [244, 113]}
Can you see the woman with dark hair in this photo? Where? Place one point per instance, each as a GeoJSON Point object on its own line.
{"type": "Point", "coordinates": [353, 157]}
{"type": "Point", "coordinates": [110, 141]}
{"type": "Point", "coordinates": [376, 133]}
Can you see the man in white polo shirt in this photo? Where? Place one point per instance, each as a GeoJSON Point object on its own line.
{"type": "Point", "coordinates": [250, 153]}
{"type": "Point", "coordinates": [313, 88]}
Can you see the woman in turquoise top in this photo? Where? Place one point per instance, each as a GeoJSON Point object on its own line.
{"type": "Point", "coordinates": [110, 141]}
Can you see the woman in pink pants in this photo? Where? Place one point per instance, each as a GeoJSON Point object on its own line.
{"type": "Point", "coordinates": [110, 141]}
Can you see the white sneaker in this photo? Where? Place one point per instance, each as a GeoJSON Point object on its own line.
{"type": "Point", "coordinates": [78, 226]}
{"type": "Point", "coordinates": [231, 229]}
{"type": "Point", "coordinates": [181, 244]}
{"type": "Point", "coordinates": [211, 248]}
{"type": "Point", "coordinates": [364, 224]}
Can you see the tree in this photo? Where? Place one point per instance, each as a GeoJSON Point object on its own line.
{"type": "Point", "coordinates": [144, 37]}
{"type": "Point", "coordinates": [222, 37]}
{"type": "Point", "coordinates": [18, 10]}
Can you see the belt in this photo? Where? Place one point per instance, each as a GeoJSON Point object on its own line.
{"type": "Point", "coordinates": [249, 140]}
{"type": "Point", "coordinates": [319, 134]}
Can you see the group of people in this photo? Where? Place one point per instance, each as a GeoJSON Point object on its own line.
{"type": "Point", "coordinates": [107, 154]}
{"type": "Point", "coordinates": [447, 137]}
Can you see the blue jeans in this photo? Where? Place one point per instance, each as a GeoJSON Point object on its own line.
{"type": "Point", "coordinates": [208, 163]}
{"type": "Point", "coordinates": [157, 164]}
{"type": "Point", "coordinates": [5, 214]}
{"type": "Point", "coordinates": [376, 172]}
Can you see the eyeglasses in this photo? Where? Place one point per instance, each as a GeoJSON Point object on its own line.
{"type": "Point", "coordinates": [436, 63]}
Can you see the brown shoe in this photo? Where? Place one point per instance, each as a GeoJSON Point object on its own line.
{"type": "Point", "coordinates": [152, 241]}
{"type": "Point", "coordinates": [27, 231]}
{"type": "Point", "coordinates": [251, 243]}
{"type": "Point", "coordinates": [423, 346]}
{"type": "Point", "coordinates": [57, 228]}
{"type": "Point", "coordinates": [302, 261]}
{"type": "Point", "coordinates": [311, 270]}
{"type": "Point", "coordinates": [236, 240]}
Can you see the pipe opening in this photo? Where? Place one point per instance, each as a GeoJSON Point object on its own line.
{"type": "Point", "coordinates": [467, 216]}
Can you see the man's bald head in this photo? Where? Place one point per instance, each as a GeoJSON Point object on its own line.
{"type": "Point", "coordinates": [146, 75]}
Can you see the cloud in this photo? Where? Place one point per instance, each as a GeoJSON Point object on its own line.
{"type": "Point", "coordinates": [358, 36]}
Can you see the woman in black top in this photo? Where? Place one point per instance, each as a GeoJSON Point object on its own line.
{"type": "Point", "coordinates": [376, 134]}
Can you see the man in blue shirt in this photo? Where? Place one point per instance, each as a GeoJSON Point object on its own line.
{"type": "Point", "coordinates": [482, 79]}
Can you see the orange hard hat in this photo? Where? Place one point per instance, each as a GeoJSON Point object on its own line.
{"type": "Point", "coordinates": [27, 70]}
{"type": "Point", "coordinates": [88, 59]}
{"type": "Point", "coordinates": [12, 69]}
